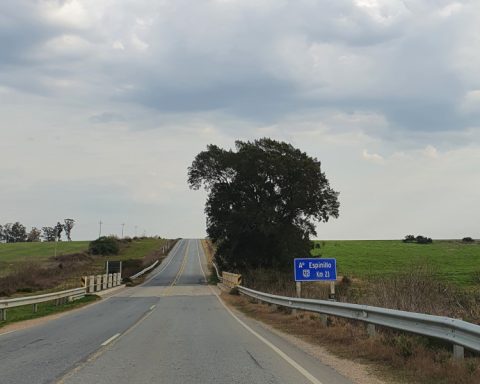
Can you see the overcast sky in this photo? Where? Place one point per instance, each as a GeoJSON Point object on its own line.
{"type": "Point", "coordinates": [105, 103]}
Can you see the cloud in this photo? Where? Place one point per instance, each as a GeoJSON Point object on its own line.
{"type": "Point", "coordinates": [121, 97]}
{"type": "Point", "coordinates": [375, 157]}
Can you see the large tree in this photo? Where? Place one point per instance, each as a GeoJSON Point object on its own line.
{"type": "Point", "coordinates": [15, 233]}
{"type": "Point", "coordinates": [49, 234]}
{"type": "Point", "coordinates": [68, 226]}
{"type": "Point", "coordinates": [263, 201]}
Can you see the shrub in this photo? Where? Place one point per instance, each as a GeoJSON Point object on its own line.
{"type": "Point", "coordinates": [423, 240]}
{"type": "Point", "coordinates": [419, 239]}
{"type": "Point", "coordinates": [105, 245]}
{"type": "Point", "coordinates": [409, 239]}
{"type": "Point", "coordinates": [467, 239]}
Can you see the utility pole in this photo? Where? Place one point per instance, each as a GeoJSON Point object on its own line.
{"type": "Point", "coordinates": [100, 228]}
{"type": "Point", "coordinates": [123, 226]}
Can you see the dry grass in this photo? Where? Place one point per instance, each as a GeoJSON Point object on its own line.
{"type": "Point", "coordinates": [416, 290]}
{"type": "Point", "coordinates": [396, 356]}
{"type": "Point", "coordinates": [65, 271]}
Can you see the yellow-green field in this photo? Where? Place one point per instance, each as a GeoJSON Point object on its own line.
{"type": "Point", "coordinates": [451, 260]}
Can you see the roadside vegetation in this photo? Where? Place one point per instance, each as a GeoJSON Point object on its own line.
{"type": "Point", "coordinates": [32, 267]}
{"type": "Point", "coordinates": [23, 313]}
{"type": "Point", "coordinates": [437, 278]}
{"type": "Point", "coordinates": [393, 356]}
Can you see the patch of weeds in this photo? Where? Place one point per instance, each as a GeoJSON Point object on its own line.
{"type": "Point", "coordinates": [17, 314]}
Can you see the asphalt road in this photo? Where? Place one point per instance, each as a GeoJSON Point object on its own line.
{"type": "Point", "coordinates": [172, 329]}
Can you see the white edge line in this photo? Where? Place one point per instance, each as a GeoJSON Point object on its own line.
{"type": "Point", "coordinates": [6, 333]}
{"type": "Point", "coordinates": [174, 253]}
{"type": "Point", "coordinates": [106, 342]}
{"type": "Point", "coordinates": [200, 261]}
{"type": "Point", "coordinates": [152, 307]}
{"type": "Point", "coordinates": [282, 354]}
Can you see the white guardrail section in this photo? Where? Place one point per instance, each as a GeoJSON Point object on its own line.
{"type": "Point", "coordinates": [71, 294]}
{"type": "Point", "coordinates": [96, 283]}
{"type": "Point", "coordinates": [144, 270]}
{"type": "Point", "coordinates": [457, 332]}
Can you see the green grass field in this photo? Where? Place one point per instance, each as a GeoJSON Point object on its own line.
{"type": "Point", "coordinates": [451, 260]}
{"type": "Point", "coordinates": [17, 253]}
{"type": "Point", "coordinates": [13, 253]}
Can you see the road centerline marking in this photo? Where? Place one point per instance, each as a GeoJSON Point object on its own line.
{"type": "Point", "coordinates": [200, 262]}
{"type": "Point", "coordinates": [108, 341]}
{"type": "Point", "coordinates": [180, 271]}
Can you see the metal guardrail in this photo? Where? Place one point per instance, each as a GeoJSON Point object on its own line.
{"type": "Point", "coordinates": [219, 277]}
{"type": "Point", "coordinates": [28, 300]}
{"type": "Point", "coordinates": [144, 270]}
{"type": "Point", "coordinates": [457, 332]}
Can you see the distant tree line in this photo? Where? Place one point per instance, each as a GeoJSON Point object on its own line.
{"type": "Point", "coordinates": [417, 239]}
{"type": "Point", "coordinates": [17, 232]}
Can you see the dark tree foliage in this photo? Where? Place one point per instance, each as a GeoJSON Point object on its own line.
{"type": "Point", "coordinates": [409, 239]}
{"type": "Point", "coordinates": [48, 234]}
{"type": "Point", "coordinates": [15, 233]}
{"type": "Point", "coordinates": [34, 235]}
{"type": "Point", "coordinates": [68, 226]}
{"type": "Point", "coordinates": [105, 245]}
{"type": "Point", "coordinates": [419, 239]}
{"type": "Point", "coordinates": [58, 231]}
{"type": "Point", "coordinates": [262, 203]}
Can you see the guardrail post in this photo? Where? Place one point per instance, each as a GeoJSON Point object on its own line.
{"type": "Point", "coordinates": [104, 281]}
{"type": "Point", "coordinates": [98, 286]}
{"type": "Point", "coordinates": [371, 330]}
{"type": "Point", "coordinates": [298, 289]}
{"type": "Point", "coordinates": [458, 352]}
{"type": "Point", "coordinates": [109, 284]}
{"type": "Point", "coordinates": [3, 314]}
{"type": "Point", "coordinates": [324, 320]}
{"type": "Point", "coordinates": [35, 308]}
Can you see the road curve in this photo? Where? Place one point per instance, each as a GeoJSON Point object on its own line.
{"type": "Point", "coordinates": [171, 329]}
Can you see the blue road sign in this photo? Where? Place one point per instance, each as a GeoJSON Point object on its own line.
{"type": "Point", "coordinates": [315, 269]}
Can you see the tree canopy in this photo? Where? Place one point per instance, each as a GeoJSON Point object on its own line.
{"type": "Point", "coordinates": [263, 200]}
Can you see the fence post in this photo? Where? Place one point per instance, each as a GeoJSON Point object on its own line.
{"type": "Point", "coordinates": [91, 284]}
{"type": "Point", "coordinates": [104, 281]}
{"type": "Point", "coordinates": [98, 286]}
{"type": "Point", "coordinates": [109, 284]}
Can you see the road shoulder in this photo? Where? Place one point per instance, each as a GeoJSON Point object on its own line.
{"type": "Point", "coordinates": [356, 372]}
